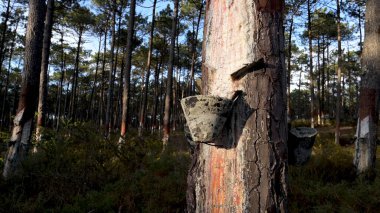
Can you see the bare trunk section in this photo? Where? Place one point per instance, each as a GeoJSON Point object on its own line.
{"type": "Point", "coordinates": [60, 88]}
{"type": "Point", "coordinates": [109, 109]}
{"type": "Point", "coordinates": [93, 89]}
{"type": "Point", "coordinates": [74, 85]}
{"type": "Point", "coordinates": [194, 53]}
{"type": "Point", "coordinates": [339, 77]}
{"type": "Point", "coordinates": [310, 64]}
{"type": "Point", "coordinates": [148, 64]}
{"type": "Point", "coordinates": [169, 85]}
{"type": "Point", "coordinates": [365, 145]}
{"type": "Point", "coordinates": [101, 98]}
{"type": "Point", "coordinates": [2, 118]}
{"type": "Point", "coordinates": [247, 170]}
{"type": "Point", "coordinates": [43, 90]}
{"type": "Point", "coordinates": [156, 95]}
{"type": "Point", "coordinates": [288, 79]}
{"type": "Point", "coordinates": [127, 73]}
{"type": "Point", "coordinates": [22, 129]}
{"type": "Point", "coordinates": [4, 33]}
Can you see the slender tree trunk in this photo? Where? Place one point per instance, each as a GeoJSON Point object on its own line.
{"type": "Point", "coordinates": [318, 98]}
{"type": "Point", "coordinates": [2, 118]}
{"type": "Point", "coordinates": [365, 144]}
{"type": "Point", "coordinates": [3, 34]}
{"type": "Point", "coordinates": [323, 81]}
{"type": "Point", "coordinates": [127, 74]}
{"type": "Point", "coordinates": [101, 98]}
{"type": "Point", "coordinates": [310, 64]}
{"type": "Point", "coordinates": [288, 80]}
{"type": "Point", "coordinates": [339, 77]}
{"type": "Point", "coordinates": [246, 171]}
{"type": "Point", "coordinates": [115, 112]}
{"type": "Point", "coordinates": [156, 95]}
{"type": "Point", "coordinates": [169, 86]}
{"type": "Point", "coordinates": [148, 64]}
{"type": "Point", "coordinates": [43, 90]}
{"type": "Point", "coordinates": [74, 86]}
{"type": "Point", "coordinates": [109, 109]}
{"type": "Point", "coordinates": [93, 89]}
{"type": "Point", "coordinates": [194, 53]}
{"type": "Point", "coordinates": [22, 129]}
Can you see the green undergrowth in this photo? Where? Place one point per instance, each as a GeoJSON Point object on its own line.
{"type": "Point", "coordinates": [328, 183]}
{"type": "Point", "coordinates": [76, 170]}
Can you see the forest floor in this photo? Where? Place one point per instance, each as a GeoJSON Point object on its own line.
{"type": "Point", "coordinates": [76, 170]}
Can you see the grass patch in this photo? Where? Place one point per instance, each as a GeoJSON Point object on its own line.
{"type": "Point", "coordinates": [328, 182]}
{"type": "Point", "coordinates": [77, 170]}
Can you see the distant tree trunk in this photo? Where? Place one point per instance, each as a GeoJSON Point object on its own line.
{"type": "Point", "coordinates": [148, 64]}
{"type": "Point", "coordinates": [194, 53]}
{"type": "Point", "coordinates": [23, 121]}
{"type": "Point", "coordinates": [127, 74]}
{"type": "Point", "coordinates": [93, 89]}
{"type": "Point", "coordinates": [74, 85]}
{"type": "Point", "coordinates": [101, 98]}
{"type": "Point", "coordinates": [3, 34]}
{"type": "Point", "coordinates": [365, 144]}
{"type": "Point", "coordinates": [169, 86]}
{"type": "Point", "coordinates": [318, 98]}
{"type": "Point", "coordinates": [310, 64]}
{"type": "Point", "coordinates": [109, 109]}
{"type": "Point", "coordinates": [288, 80]}
{"type": "Point", "coordinates": [339, 77]}
{"type": "Point", "coordinates": [2, 118]}
{"type": "Point", "coordinates": [246, 171]}
{"type": "Point", "coordinates": [43, 90]}
{"type": "Point", "coordinates": [323, 81]}
{"type": "Point", "coordinates": [156, 95]}
{"type": "Point", "coordinates": [60, 87]}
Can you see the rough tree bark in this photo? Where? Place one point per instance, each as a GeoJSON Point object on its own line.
{"type": "Point", "coordinates": [246, 171]}
{"type": "Point", "coordinates": [365, 144]}
{"type": "Point", "coordinates": [169, 85]}
{"type": "Point", "coordinates": [127, 73]}
{"type": "Point", "coordinates": [22, 129]}
{"type": "Point", "coordinates": [43, 90]}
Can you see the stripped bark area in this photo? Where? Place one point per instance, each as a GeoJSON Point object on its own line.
{"type": "Point", "coordinates": [22, 129]}
{"type": "Point", "coordinates": [365, 144]}
{"type": "Point", "coordinates": [246, 171]}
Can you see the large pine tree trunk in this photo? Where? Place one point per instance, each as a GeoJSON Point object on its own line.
{"type": "Point", "coordinates": [43, 90]}
{"type": "Point", "coordinates": [365, 153]}
{"type": "Point", "coordinates": [22, 129]}
{"type": "Point", "coordinates": [247, 172]}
